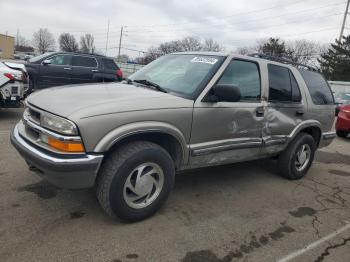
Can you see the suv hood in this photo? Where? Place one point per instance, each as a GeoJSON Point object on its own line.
{"type": "Point", "coordinates": [81, 101]}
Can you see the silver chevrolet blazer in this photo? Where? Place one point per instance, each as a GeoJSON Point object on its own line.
{"type": "Point", "coordinates": [182, 111]}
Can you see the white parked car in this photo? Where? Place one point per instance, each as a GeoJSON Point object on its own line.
{"type": "Point", "coordinates": [13, 81]}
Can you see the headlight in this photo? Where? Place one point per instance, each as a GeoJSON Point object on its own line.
{"type": "Point", "coordinates": [58, 124]}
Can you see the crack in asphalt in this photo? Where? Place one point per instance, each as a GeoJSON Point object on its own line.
{"type": "Point", "coordinates": [330, 247]}
{"type": "Point", "coordinates": [320, 196]}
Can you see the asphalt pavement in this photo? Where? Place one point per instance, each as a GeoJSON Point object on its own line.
{"type": "Point", "coordinates": [241, 212]}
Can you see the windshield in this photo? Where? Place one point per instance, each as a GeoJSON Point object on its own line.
{"type": "Point", "coordinates": [39, 57]}
{"type": "Point", "coordinates": [179, 74]}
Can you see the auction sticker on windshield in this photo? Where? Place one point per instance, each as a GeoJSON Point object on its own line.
{"type": "Point", "coordinates": [207, 60]}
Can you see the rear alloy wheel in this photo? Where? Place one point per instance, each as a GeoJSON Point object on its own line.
{"type": "Point", "coordinates": [135, 181]}
{"type": "Point", "coordinates": [295, 161]}
{"type": "Point", "coordinates": [342, 133]}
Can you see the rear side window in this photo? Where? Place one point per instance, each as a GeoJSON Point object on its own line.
{"type": "Point", "coordinates": [283, 86]}
{"type": "Point", "coordinates": [296, 96]}
{"type": "Point", "coordinates": [83, 61]}
{"type": "Point", "coordinates": [109, 64]}
{"type": "Point", "coordinates": [245, 75]}
{"type": "Point", "coordinates": [318, 88]}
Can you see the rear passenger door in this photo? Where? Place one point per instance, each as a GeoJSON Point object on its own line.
{"type": "Point", "coordinates": [83, 69]}
{"type": "Point", "coordinates": [286, 107]}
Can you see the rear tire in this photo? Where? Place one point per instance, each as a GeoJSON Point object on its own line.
{"type": "Point", "coordinates": [295, 161]}
{"type": "Point", "coordinates": [135, 181]}
{"type": "Point", "coordinates": [342, 134]}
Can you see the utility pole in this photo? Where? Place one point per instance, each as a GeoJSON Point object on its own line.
{"type": "Point", "coordinates": [120, 41]}
{"type": "Point", "coordinates": [344, 20]}
{"type": "Point", "coordinates": [17, 38]}
{"type": "Point", "coordinates": [107, 37]}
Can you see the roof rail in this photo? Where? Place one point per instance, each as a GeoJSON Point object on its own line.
{"type": "Point", "coordinates": [283, 61]}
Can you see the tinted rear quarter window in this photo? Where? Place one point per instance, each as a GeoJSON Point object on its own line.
{"type": "Point", "coordinates": [109, 64]}
{"type": "Point", "coordinates": [318, 87]}
{"type": "Point", "coordinates": [83, 61]}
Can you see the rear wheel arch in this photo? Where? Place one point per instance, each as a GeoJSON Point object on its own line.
{"type": "Point", "coordinates": [315, 132]}
{"type": "Point", "coordinates": [311, 127]}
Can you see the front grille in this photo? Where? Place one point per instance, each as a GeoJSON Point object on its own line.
{"type": "Point", "coordinates": [14, 90]}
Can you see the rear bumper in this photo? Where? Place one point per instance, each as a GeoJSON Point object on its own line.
{"type": "Point", "coordinates": [327, 138]}
{"type": "Point", "coordinates": [65, 171]}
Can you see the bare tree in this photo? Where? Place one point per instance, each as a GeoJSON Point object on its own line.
{"type": "Point", "coordinates": [22, 45]}
{"type": "Point", "coordinates": [304, 51]}
{"type": "Point", "coordinates": [68, 43]}
{"type": "Point", "coordinates": [152, 54]}
{"type": "Point", "coordinates": [87, 44]}
{"type": "Point", "coordinates": [43, 40]}
{"type": "Point", "coordinates": [211, 45]}
{"type": "Point", "coordinates": [191, 43]}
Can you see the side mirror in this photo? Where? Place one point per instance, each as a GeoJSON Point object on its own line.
{"type": "Point", "coordinates": [228, 93]}
{"type": "Point", "coordinates": [46, 62]}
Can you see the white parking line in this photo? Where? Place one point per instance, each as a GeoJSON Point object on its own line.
{"type": "Point", "coordinates": [314, 244]}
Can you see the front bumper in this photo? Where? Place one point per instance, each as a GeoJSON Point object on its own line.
{"type": "Point", "coordinates": [65, 171]}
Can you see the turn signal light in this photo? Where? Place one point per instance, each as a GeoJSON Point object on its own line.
{"type": "Point", "coordinates": [73, 147]}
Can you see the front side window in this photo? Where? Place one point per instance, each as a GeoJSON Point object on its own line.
{"type": "Point", "coordinates": [245, 75]}
{"type": "Point", "coordinates": [61, 60]}
{"type": "Point", "coordinates": [181, 74]}
{"type": "Point", "coordinates": [83, 61]}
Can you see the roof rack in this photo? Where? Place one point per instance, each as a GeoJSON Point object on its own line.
{"type": "Point", "coordinates": [283, 61]}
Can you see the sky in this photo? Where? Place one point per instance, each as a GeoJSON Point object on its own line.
{"type": "Point", "coordinates": [147, 23]}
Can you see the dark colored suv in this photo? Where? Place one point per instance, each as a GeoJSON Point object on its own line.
{"type": "Point", "coordinates": [62, 68]}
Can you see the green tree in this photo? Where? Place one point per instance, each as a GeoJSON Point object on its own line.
{"type": "Point", "coordinates": [335, 63]}
{"type": "Point", "coordinates": [274, 47]}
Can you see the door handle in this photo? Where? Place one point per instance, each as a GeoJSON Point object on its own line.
{"type": "Point", "coordinates": [260, 111]}
{"type": "Point", "coordinates": [67, 68]}
{"type": "Point", "coordinates": [94, 70]}
{"type": "Point", "coordinates": [299, 112]}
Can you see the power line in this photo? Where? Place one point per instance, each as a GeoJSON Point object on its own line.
{"type": "Point", "coordinates": [236, 14]}
{"type": "Point", "coordinates": [279, 25]}
{"type": "Point", "coordinates": [243, 22]}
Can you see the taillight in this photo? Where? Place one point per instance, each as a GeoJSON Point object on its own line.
{"type": "Point", "coordinates": [119, 73]}
{"type": "Point", "coordinates": [24, 76]}
{"type": "Point", "coordinates": [10, 76]}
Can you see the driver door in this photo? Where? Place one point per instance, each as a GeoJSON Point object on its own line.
{"type": "Point", "coordinates": [227, 132]}
{"type": "Point", "coordinates": [57, 73]}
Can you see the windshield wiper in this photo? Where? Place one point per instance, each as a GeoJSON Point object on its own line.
{"type": "Point", "coordinates": [150, 83]}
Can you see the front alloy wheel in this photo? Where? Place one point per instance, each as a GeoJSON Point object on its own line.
{"type": "Point", "coordinates": [135, 180]}
{"type": "Point", "coordinates": [143, 185]}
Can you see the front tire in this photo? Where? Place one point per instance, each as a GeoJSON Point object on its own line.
{"type": "Point", "coordinates": [135, 181]}
{"type": "Point", "coordinates": [295, 161]}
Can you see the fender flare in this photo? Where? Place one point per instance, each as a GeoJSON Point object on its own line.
{"type": "Point", "coordinates": [124, 131]}
{"type": "Point", "coordinates": [303, 125]}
